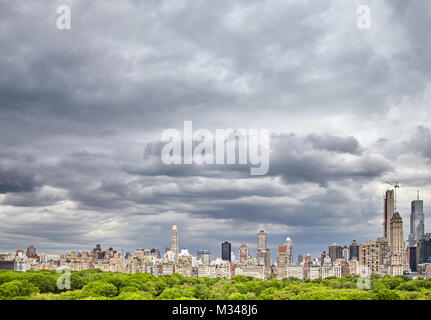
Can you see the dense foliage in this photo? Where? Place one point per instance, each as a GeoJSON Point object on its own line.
{"type": "Point", "coordinates": [97, 285]}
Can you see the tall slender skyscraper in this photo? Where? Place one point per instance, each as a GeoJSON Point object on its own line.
{"type": "Point", "coordinates": [226, 251]}
{"type": "Point", "coordinates": [416, 221]}
{"type": "Point", "coordinates": [396, 245]}
{"type": "Point", "coordinates": [389, 210]}
{"type": "Point", "coordinates": [174, 241]}
{"type": "Point", "coordinates": [289, 249]}
{"type": "Point", "coordinates": [261, 240]}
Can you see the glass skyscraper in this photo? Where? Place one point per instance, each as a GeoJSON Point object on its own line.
{"type": "Point", "coordinates": [416, 221]}
{"type": "Point", "coordinates": [226, 249]}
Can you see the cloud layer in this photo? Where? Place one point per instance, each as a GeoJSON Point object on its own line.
{"type": "Point", "coordinates": [82, 112]}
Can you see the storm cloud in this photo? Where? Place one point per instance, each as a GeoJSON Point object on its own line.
{"type": "Point", "coordinates": [82, 112]}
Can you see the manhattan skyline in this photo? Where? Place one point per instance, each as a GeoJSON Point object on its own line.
{"type": "Point", "coordinates": [174, 244]}
{"type": "Point", "coordinates": [82, 112]}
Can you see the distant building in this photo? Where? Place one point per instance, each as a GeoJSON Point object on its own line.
{"type": "Point", "coordinates": [354, 250]}
{"type": "Point", "coordinates": [226, 250]}
{"type": "Point", "coordinates": [243, 253]}
{"type": "Point", "coordinates": [369, 256]}
{"type": "Point", "coordinates": [21, 262]}
{"type": "Point", "coordinates": [396, 246]}
{"type": "Point", "coordinates": [294, 271]}
{"type": "Point", "coordinates": [261, 240]}
{"type": "Point", "coordinates": [327, 268]}
{"type": "Point", "coordinates": [300, 259]}
{"type": "Point", "coordinates": [174, 241]}
{"type": "Point", "coordinates": [263, 253]}
{"type": "Point", "coordinates": [384, 254]}
{"type": "Point", "coordinates": [346, 253]}
{"type": "Point", "coordinates": [335, 252]}
{"type": "Point", "coordinates": [413, 258]}
{"type": "Point", "coordinates": [389, 210]}
{"type": "Point", "coordinates": [289, 249]}
{"type": "Point", "coordinates": [354, 266]}
{"type": "Point", "coordinates": [204, 255]}
{"type": "Point", "coordinates": [7, 265]}
{"type": "Point", "coordinates": [31, 252]}
{"type": "Point", "coordinates": [254, 271]}
{"type": "Point", "coordinates": [416, 221]}
{"type": "Point", "coordinates": [424, 249]}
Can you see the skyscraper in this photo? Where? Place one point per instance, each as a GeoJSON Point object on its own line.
{"type": "Point", "coordinates": [346, 253]}
{"type": "Point", "coordinates": [396, 246]}
{"type": "Point", "coordinates": [389, 210]}
{"type": "Point", "coordinates": [226, 250]}
{"type": "Point", "coordinates": [424, 249]}
{"type": "Point", "coordinates": [354, 250]}
{"type": "Point", "coordinates": [413, 258]}
{"type": "Point", "coordinates": [261, 240]}
{"type": "Point", "coordinates": [416, 221]}
{"type": "Point", "coordinates": [289, 249]}
{"type": "Point", "coordinates": [243, 253]}
{"type": "Point", "coordinates": [263, 253]}
{"type": "Point", "coordinates": [335, 252]}
{"type": "Point", "coordinates": [174, 241]}
{"type": "Point", "coordinates": [384, 253]}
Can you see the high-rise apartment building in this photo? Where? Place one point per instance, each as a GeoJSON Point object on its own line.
{"type": "Point", "coordinates": [413, 258]}
{"type": "Point", "coordinates": [263, 253]}
{"type": "Point", "coordinates": [335, 252]}
{"type": "Point", "coordinates": [369, 256]}
{"type": "Point", "coordinates": [384, 252]}
{"type": "Point", "coordinates": [261, 240]}
{"type": "Point", "coordinates": [243, 253]}
{"type": "Point", "coordinates": [424, 249]}
{"type": "Point", "coordinates": [307, 259]}
{"type": "Point", "coordinates": [31, 252]}
{"type": "Point", "coordinates": [267, 258]}
{"type": "Point", "coordinates": [289, 249]}
{"type": "Point", "coordinates": [346, 253]}
{"type": "Point", "coordinates": [396, 246]}
{"type": "Point", "coordinates": [416, 221]}
{"type": "Point", "coordinates": [282, 259]}
{"type": "Point", "coordinates": [154, 252]}
{"type": "Point", "coordinates": [354, 250]}
{"type": "Point", "coordinates": [226, 250]}
{"type": "Point", "coordinates": [174, 241]}
{"type": "Point", "coordinates": [389, 210]}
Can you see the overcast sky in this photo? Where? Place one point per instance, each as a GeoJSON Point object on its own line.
{"type": "Point", "coordinates": [348, 109]}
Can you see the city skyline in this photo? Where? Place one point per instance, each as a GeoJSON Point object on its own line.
{"type": "Point", "coordinates": [261, 243]}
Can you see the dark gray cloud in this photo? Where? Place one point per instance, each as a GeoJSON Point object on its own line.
{"type": "Point", "coordinates": [336, 144]}
{"type": "Point", "coordinates": [12, 180]}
